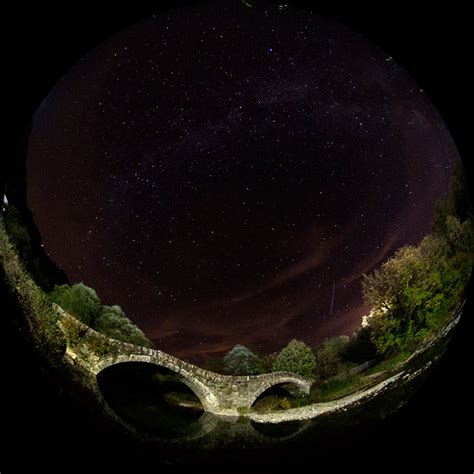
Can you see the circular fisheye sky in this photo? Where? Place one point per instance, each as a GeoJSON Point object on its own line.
{"type": "Point", "coordinates": [227, 173]}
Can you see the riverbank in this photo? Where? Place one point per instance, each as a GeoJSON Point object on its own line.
{"type": "Point", "coordinates": [344, 403]}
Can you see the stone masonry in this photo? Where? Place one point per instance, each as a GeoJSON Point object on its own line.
{"type": "Point", "coordinates": [219, 394]}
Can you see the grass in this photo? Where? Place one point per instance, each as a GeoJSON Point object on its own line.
{"type": "Point", "coordinates": [334, 389]}
{"type": "Point", "coordinates": [389, 365]}
{"type": "Point", "coordinates": [272, 403]}
{"type": "Point", "coordinates": [338, 387]}
{"type": "Point", "coordinates": [74, 333]}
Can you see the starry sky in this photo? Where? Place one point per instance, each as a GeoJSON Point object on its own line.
{"type": "Point", "coordinates": [217, 170]}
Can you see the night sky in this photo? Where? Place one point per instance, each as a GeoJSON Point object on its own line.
{"type": "Point", "coordinates": [215, 170]}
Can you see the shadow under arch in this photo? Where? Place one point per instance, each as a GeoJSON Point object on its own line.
{"type": "Point", "coordinates": [152, 399]}
{"type": "Point", "coordinates": [288, 389]}
{"type": "Point", "coordinates": [205, 396]}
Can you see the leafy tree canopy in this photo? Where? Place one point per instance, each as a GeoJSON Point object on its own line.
{"type": "Point", "coordinates": [329, 356]}
{"type": "Point", "coordinates": [82, 302]}
{"type": "Point", "coordinates": [414, 291]}
{"type": "Point", "coordinates": [360, 347]}
{"type": "Point", "coordinates": [113, 322]}
{"type": "Point", "coordinates": [295, 357]}
{"type": "Point", "coordinates": [78, 300]}
{"type": "Point", "coordinates": [242, 361]}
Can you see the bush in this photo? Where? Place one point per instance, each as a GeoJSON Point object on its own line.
{"type": "Point", "coordinates": [242, 361]}
{"type": "Point", "coordinates": [113, 322]}
{"type": "Point", "coordinates": [17, 232]}
{"type": "Point", "coordinates": [83, 303]}
{"type": "Point", "coordinates": [296, 357]}
{"type": "Point", "coordinates": [360, 347]}
{"type": "Point", "coordinates": [78, 300]}
{"type": "Point", "coordinates": [414, 292]}
{"type": "Point", "coordinates": [40, 319]}
{"type": "Point", "coordinates": [285, 404]}
{"type": "Point", "coordinates": [329, 356]}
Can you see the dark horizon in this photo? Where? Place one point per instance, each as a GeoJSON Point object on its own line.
{"type": "Point", "coordinates": [261, 174]}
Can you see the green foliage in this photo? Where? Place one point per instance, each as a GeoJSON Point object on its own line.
{"type": "Point", "coordinates": [267, 361]}
{"type": "Point", "coordinates": [73, 331]}
{"type": "Point", "coordinates": [277, 402]}
{"type": "Point", "coordinates": [285, 404]}
{"type": "Point", "coordinates": [413, 292]}
{"type": "Point", "coordinates": [271, 403]}
{"type": "Point", "coordinates": [40, 318]}
{"type": "Point", "coordinates": [360, 347]}
{"type": "Point", "coordinates": [30, 255]}
{"type": "Point", "coordinates": [113, 322]}
{"type": "Point", "coordinates": [99, 346]}
{"type": "Point", "coordinates": [296, 357]}
{"type": "Point", "coordinates": [459, 236]}
{"type": "Point", "coordinates": [329, 356]}
{"type": "Point", "coordinates": [381, 287]}
{"type": "Point", "coordinates": [82, 302]}
{"type": "Point", "coordinates": [456, 203]}
{"type": "Point", "coordinates": [79, 300]}
{"type": "Point", "coordinates": [242, 361]}
{"type": "Point", "coordinates": [336, 388]}
{"type": "Point", "coordinates": [17, 232]}
{"type": "Point", "coordinates": [300, 401]}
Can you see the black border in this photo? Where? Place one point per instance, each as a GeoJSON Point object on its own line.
{"type": "Point", "coordinates": [43, 42]}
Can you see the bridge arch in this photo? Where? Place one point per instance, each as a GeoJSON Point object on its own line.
{"type": "Point", "coordinates": [289, 382]}
{"type": "Point", "coordinates": [202, 392]}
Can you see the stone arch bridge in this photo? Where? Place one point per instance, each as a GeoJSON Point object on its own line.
{"type": "Point", "coordinates": [220, 394]}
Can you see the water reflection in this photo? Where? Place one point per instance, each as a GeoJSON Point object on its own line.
{"type": "Point", "coordinates": [155, 404]}
{"type": "Point", "coordinates": [150, 398]}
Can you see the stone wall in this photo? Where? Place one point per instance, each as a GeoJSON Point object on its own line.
{"type": "Point", "coordinates": [219, 394]}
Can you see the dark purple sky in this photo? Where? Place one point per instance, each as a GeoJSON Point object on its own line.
{"type": "Point", "coordinates": [215, 170]}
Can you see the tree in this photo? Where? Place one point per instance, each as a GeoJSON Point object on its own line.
{"type": "Point", "coordinates": [78, 300]}
{"type": "Point", "coordinates": [82, 302]}
{"type": "Point", "coordinates": [329, 356]}
{"type": "Point", "coordinates": [360, 347]}
{"type": "Point", "coordinates": [413, 292]}
{"type": "Point", "coordinates": [242, 361]}
{"type": "Point", "coordinates": [461, 205]}
{"type": "Point", "coordinates": [113, 322]}
{"type": "Point", "coordinates": [381, 287]}
{"type": "Point", "coordinates": [456, 203]}
{"type": "Point", "coordinates": [459, 235]}
{"type": "Point", "coordinates": [296, 357]}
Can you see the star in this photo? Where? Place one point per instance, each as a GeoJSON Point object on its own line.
{"type": "Point", "coordinates": [200, 176]}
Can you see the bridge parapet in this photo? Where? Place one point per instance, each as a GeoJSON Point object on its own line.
{"type": "Point", "coordinates": [219, 394]}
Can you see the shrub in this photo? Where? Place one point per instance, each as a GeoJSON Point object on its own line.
{"type": "Point", "coordinates": [40, 318]}
{"type": "Point", "coordinates": [113, 322]}
{"type": "Point", "coordinates": [360, 347]}
{"type": "Point", "coordinates": [296, 357]}
{"type": "Point", "coordinates": [78, 300]}
{"type": "Point", "coordinates": [242, 361]}
{"type": "Point", "coordinates": [17, 232]}
{"type": "Point", "coordinates": [414, 291]}
{"type": "Point", "coordinates": [329, 356]}
{"type": "Point", "coordinates": [99, 346]}
{"type": "Point", "coordinates": [285, 404]}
